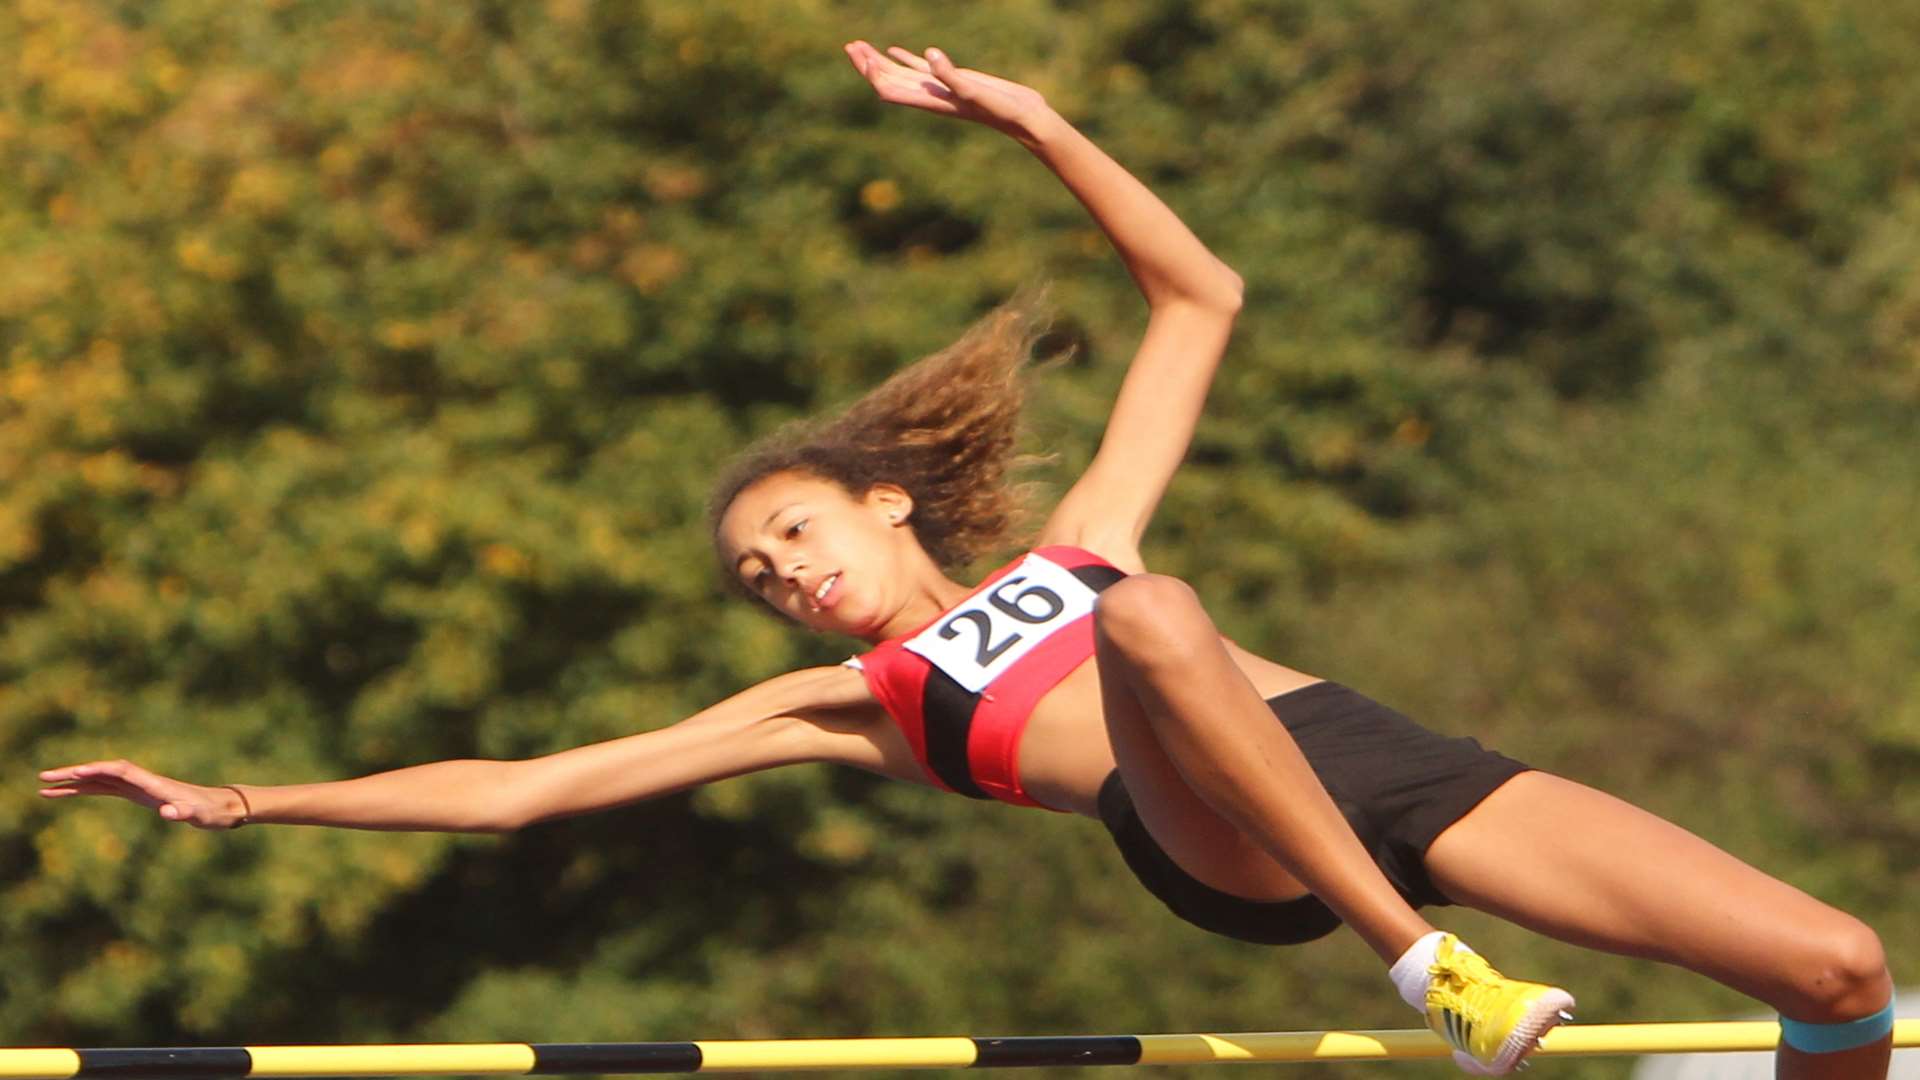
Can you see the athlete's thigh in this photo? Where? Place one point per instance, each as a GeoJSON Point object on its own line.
{"type": "Point", "coordinates": [1578, 864]}
{"type": "Point", "coordinates": [1204, 844]}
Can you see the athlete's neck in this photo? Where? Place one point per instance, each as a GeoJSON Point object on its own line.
{"type": "Point", "coordinates": [928, 594]}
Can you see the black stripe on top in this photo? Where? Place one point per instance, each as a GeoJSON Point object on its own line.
{"type": "Point", "coordinates": [174, 1062]}
{"type": "Point", "coordinates": [946, 708]}
{"type": "Point", "coordinates": [1057, 1050]}
{"type": "Point", "coordinates": [1097, 577]}
{"type": "Point", "coordinates": [655, 1057]}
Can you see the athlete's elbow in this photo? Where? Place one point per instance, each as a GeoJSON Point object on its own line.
{"type": "Point", "coordinates": [1233, 290]}
{"type": "Point", "coordinates": [501, 826]}
{"type": "Point", "coordinates": [497, 818]}
{"type": "Point", "coordinates": [510, 804]}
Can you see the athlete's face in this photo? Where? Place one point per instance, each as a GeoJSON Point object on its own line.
{"type": "Point", "coordinates": [816, 552]}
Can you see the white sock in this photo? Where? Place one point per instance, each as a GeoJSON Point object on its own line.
{"type": "Point", "coordinates": [1409, 973]}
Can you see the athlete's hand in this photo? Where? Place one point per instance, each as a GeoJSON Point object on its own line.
{"type": "Point", "coordinates": [931, 82]}
{"type": "Point", "coordinates": [174, 800]}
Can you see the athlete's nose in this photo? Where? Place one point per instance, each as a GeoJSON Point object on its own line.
{"type": "Point", "coordinates": [790, 573]}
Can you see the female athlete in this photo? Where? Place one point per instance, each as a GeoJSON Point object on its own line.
{"type": "Point", "coordinates": [1255, 800]}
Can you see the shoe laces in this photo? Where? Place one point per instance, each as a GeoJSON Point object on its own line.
{"type": "Point", "coordinates": [1464, 970]}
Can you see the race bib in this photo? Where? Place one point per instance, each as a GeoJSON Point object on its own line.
{"type": "Point", "coordinates": [990, 631]}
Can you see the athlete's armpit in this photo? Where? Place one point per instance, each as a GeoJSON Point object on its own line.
{"type": "Point", "coordinates": [859, 735]}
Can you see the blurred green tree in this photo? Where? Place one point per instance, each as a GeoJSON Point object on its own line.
{"type": "Point", "coordinates": [363, 366]}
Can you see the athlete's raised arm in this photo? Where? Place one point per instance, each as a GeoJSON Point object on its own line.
{"type": "Point", "coordinates": [1192, 296]}
{"type": "Point", "coordinates": [818, 714]}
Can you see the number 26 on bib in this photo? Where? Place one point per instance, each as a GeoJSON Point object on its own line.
{"type": "Point", "coordinates": [990, 631]}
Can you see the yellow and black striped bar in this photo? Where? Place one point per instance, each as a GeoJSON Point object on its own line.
{"type": "Point", "coordinates": [959, 1052]}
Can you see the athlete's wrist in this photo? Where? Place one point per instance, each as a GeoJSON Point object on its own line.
{"type": "Point", "coordinates": [1042, 130]}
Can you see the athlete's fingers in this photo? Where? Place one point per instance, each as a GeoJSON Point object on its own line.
{"type": "Point", "coordinates": [90, 787]}
{"type": "Point", "coordinates": [910, 59]}
{"type": "Point", "coordinates": [118, 768]}
{"type": "Point", "coordinates": [876, 68]}
{"type": "Point", "coordinates": [73, 772]}
{"type": "Point", "coordinates": [940, 65]}
{"type": "Point", "coordinates": [874, 64]}
{"type": "Point", "coordinates": [118, 779]}
{"type": "Point", "coordinates": [861, 54]}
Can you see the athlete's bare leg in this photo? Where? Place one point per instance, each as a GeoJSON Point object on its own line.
{"type": "Point", "coordinates": [1585, 867]}
{"type": "Point", "coordinates": [1217, 781]}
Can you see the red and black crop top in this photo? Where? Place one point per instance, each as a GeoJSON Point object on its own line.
{"type": "Point", "coordinates": [962, 687]}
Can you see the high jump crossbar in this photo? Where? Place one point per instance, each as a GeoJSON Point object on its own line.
{"type": "Point", "coordinates": [959, 1052]}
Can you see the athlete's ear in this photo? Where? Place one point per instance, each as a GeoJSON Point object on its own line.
{"type": "Point", "coordinates": [891, 500]}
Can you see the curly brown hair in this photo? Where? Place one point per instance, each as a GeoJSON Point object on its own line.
{"type": "Point", "coordinates": [942, 429]}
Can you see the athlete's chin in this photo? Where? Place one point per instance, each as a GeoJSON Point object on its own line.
{"type": "Point", "coordinates": [838, 619]}
{"type": "Point", "coordinates": [851, 620]}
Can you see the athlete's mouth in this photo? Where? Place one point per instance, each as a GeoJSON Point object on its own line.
{"type": "Point", "coordinates": [825, 587]}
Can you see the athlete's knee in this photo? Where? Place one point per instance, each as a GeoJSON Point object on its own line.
{"type": "Point", "coordinates": [1842, 975]}
{"type": "Point", "coordinates": [1152, 616]}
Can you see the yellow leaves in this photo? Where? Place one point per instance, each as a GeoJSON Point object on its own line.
{"type": "Point", "coordinates": [1125, 78]}
{"type": "Point", "coordinates": [199, 253]}
{"type": "Point", "coordinates": [225, 116]}
{"type": "Point", "coordinates": [33, 277]}
{"type": "Point", "coordinates": [168, 74]}
{"type": "Point", "coordinates": [111, 473]}
{"type": "Point", "coordinates": [22, 382]}
{"type": "Point", "coordinates": [19, 534]}
{"type": "Point", "coordinates": [840, 837]}
{"type": "Point", "coordinates": [671, 183]}
{"type": "Point", "coordinates": [260, 190]}
{"type": "Point", "coordinates": [363, 69]}
{"type": "Point", "coordinates": [1332, 449]}
{"type": "Point", "coordinates": [567, 12]}
{"type": "Point", "coordinates": [79, 60]}
{"type": "Point", "coordinates": [457, 668]}
{"type": "Point", "coordinates": [401, 218]}
{"type": "Point", "coordinates": [403, 334]}
{"type": "Point", "coordinates": [407, 334]}
{"type": "Point", "coordinates": [399, 869]}
{"type": "Point", "coordinates": [78, 397]}
{"type": "Point", "coordinates": [505, 561]}
{"type": "Point", "coordinates": [880, 196]}
{"type": "Point", "coordinates": [99, 991]}
{"type": "Point", "coordinates": [623, 223]}
{"type": "Point", "coordinates": [63, 209]}
{"type": "Point", "coordinates": [589, 252]}
{"type": "Point", "coordinates": [652, 267]}
{"type": "Point", "coordinates": [1412, 431]}
{"type": "Point", "coordinates": [420, 537]}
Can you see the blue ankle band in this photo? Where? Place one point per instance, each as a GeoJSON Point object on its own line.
{"type": "Point", "coordinates": [1833, 1038]}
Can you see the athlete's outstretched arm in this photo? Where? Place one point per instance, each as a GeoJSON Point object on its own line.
{"type": "Point", "coordinates": [1191, 295]}
{"type": "Point", "coordinates": [818, 714]}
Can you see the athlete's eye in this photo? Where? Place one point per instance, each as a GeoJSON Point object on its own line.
{"type": "Point", "coordinates": [795, 529]}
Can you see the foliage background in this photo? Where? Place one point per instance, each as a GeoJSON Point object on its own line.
{"type": "Point", "coordinates": [364, 364]}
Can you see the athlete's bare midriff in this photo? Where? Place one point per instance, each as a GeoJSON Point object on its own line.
{"type": "Point", "coordinates": [1064, 752]}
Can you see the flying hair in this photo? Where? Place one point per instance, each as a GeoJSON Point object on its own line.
{"type": "Point", "coordinates": [943, 429]}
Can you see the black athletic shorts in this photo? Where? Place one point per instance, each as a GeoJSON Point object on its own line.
{"type": "Point", "coordinates": [1398, 784]}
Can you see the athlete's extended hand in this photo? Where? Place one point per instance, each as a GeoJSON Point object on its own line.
{"type": "Point", "coordinates": [932, 83]}
{"type": "Point", "coordinates": [205, 807]}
